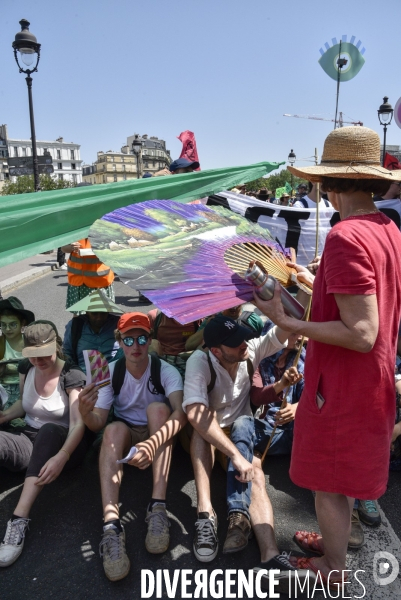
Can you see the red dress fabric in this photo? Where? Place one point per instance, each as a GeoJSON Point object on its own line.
{"type": "Point", "coordinates": [344, 446]}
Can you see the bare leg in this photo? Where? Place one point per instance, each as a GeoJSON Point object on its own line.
{"type": "Point", "coordinates": [116, 439]}
{"type": "Point", "coordinates": [29, 493]}
{"type": "Point", "coordinates": [261, 512]}
{"type": "Point", "coordinates": [202, 456]}
{"type": "Point", "coordinates": [158, 414]}
{"type": "Point", "coordinates": [334, 517]}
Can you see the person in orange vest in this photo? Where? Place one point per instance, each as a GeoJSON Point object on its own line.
{"type": "Point", "coordinates": [86, 273]}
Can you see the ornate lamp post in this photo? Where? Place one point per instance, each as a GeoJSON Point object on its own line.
{"type": "Point", "coordinates": [385, 114]}
{"type": "Point", "coordinates": [136, 149]}
{"type": "Point", "coordinates": [26, 44]}
{"type": "Point", "coordinates": [291, 160]}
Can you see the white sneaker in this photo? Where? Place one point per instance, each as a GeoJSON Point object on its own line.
{"type": "Point", "coordinates": [63, 267]}
{"type": "Point", "coordinates": [13, 542]}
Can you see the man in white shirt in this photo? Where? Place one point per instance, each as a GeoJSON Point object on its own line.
{"type": "Point", "coordinates": [148, 413]}
{"type": "Point", "coordinates": [309, 200]}
{"type": "Point", "coordinates": [216, 393]}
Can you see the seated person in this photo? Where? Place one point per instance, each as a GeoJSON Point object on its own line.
{"type": "Point", "coordinates": [170, 337]}
{"type": "Point", "coordinates": [93, 330]}
{"type": "Point", "coordinates": [145, 416]}
{"type": "Point", "coordinates": [275, 375]}
{"type": "Point", "coordinates": [53, 438]}
{"type": "Point", "coordinates": [216, 397]}
{"type": "Point", "coordinates": [243, 317]}
{"type": "Point", "coordinates": [13, 318]}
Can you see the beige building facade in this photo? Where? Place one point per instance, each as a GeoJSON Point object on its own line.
{"type": "Point", "coordinates": [111, 167]}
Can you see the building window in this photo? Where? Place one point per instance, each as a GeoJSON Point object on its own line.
{"type": "Point", "coordinates": [104, 178]}
{"type": "Point", "coordinates": [15, 150]}
{"type": "Point", "coordinates": [60, 166]}
{"type": "Point", "coordinates": [60, 176]}
{"type": "Point", "coordinates": [146, 165]}
{"type": "Point", "coordinates": [114, 167]}
{"type": "Point", "coordinates": [44, 150]}
{"type": "Point", "coordinates": [124, 176]}
{"type": "Point", "coordinates": [59, 154]}
{"type": "Point", "coordinates": [23, 151]}
{"type": "Point", "coordinates": [73, 166]}
{"type": "Point", "coordinates": [123, 167]}
{"type": "Point", "coordinates": [74, 178]}
{"type": "Point", "coordinates": [72, 152]}
{"type": "Point", "coordinates": [115, 177]}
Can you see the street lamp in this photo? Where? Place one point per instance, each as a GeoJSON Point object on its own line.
{"type": "Point", "coordinates": [26, 44]}
{"type": "Point", "coordinates": [137, 144]}
{"type": "Point", "coordinates": [291, 160]}
{"type": "Point", "coordinates": [385, 114]}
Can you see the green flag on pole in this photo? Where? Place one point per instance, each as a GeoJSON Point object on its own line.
{"type": "Point", "coordinates": [37, 222]}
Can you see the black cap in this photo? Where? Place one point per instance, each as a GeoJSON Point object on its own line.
{"type": "Point", "coordinates": [226, 331]}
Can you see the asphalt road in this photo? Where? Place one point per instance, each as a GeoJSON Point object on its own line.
{"type": "Point", "coordinates": [61, 560]}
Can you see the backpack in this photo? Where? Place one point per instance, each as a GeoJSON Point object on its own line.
{"type": "Point", "coordinates": [158, 320]}
{"type": "Point", "coordinates": [213, 375]}
{"type": "Point", "coordinates": [154, 379]}
{"type": "Point", "coordinates": [305, 204]}
{"type": "Point", "coordinates": [77, 326]}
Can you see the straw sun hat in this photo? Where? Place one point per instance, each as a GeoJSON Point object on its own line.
{"type": "Point", "coordinates": [351, 153]}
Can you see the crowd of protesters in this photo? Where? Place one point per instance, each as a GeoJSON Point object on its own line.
{"type": "Point", "coordinates": [227, 387]}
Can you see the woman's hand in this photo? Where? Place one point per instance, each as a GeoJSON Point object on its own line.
{"type": "Point", "coordinates": [304, 275]}
{"type": "Point", "coordinates": [314, 265]}
{"type": "Point", "coordinates": [274, 310]}
{"type": "Point", "coordinates": [52, 469]}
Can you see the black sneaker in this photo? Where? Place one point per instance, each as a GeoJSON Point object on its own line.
{"type": "Point", "coordinates": [368, 512]}
{"type": "Point", "coordinates": [286, 578]}
{"type": "Point", "coordinates": [206, 544]}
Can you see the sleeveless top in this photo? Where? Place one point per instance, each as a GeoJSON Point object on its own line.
{"type": "Point", "coordinates": [39, 411]}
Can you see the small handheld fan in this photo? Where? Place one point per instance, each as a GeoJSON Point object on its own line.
{"type": "Point", "coordinates": [189, 260]}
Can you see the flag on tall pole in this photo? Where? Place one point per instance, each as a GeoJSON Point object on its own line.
{"type": "Point", "coordinates": [189, 150]}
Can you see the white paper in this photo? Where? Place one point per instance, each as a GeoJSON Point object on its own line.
{"type": "Point", "coordinates": [129, 456]}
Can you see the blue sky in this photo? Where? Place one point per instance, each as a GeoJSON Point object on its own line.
{"type": "Point", "coordinates": [226, 69]}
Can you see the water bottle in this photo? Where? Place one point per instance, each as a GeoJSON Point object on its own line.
{"type": "Point", "coordinates": [265, 285]}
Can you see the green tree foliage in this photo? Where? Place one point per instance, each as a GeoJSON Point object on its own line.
{"type": "Point", "coordinates": [25, 184]}
{"type": "Point", "coordinates": [273, 182]}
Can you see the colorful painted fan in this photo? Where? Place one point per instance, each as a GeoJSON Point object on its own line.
{"type": "Point", "coordinates": [189, 260]}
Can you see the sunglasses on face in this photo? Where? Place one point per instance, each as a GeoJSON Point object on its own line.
{"type": "Point", "coordinates": [141, 339]}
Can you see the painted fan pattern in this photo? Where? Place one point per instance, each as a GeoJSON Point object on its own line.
{"type": "Point", "coordinates": [174, 254]}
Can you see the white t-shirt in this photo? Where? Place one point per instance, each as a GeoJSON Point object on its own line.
{"type": "Point", "coordinates": [39, 411]}
{"type": "Point", "coordinates": [229, 399]}
{"type": "Point", "coordinates": [136, 395]}
{"type": "Point", "coordinates": [311, 204]}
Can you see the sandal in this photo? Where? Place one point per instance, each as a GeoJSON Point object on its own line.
{"type": "Point", "coordinates": [332, 584]}
{"type": "Point", "coordinates": [309, 541]}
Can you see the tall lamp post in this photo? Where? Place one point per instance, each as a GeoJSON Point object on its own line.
{"type": "Point", "coordinates": [385, 114]}
{"type": "Point", "coordinates": [136, 149]}
{"type": "Point", "coordinates": [26, 44]}
{"type": "Point", "coordinates": [291, 160]}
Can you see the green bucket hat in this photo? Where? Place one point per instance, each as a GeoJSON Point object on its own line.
{"type": "Point", "coordinates": [96, 301]}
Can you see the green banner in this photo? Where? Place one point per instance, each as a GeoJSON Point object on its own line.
{"type": "Point", "coordinates": [280, 192]}
{"type": "Point", "coordinates": [288, 188]}
{"type": "Point", "coordinates": [328, 61]}
{"type": "Point", "coordinates": [41, 221]}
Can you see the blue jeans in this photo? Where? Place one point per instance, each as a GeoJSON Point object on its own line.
{"type": "Point", "coordinates": [239, 494]}
{"type": "Point", "coordinates": [249, 434]}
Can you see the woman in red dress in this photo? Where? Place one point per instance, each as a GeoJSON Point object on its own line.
{"type": "Point", "coordinates": [348, 401]}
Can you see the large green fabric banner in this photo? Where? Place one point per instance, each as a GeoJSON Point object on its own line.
{"type": "Point", "coordinates": [37, 222]}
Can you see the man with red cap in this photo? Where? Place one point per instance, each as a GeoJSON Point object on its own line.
{"type": "Point", "coordinates": [147, 402]}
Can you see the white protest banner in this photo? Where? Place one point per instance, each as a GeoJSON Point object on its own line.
{"type": "Point", "coordinates": [294, 227]}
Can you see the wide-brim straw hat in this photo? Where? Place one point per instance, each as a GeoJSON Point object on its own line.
{"type": "Point", "coordinates": [349, 153]}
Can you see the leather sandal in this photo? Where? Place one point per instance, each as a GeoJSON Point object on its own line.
{"type": "Point", "coordinates": [309, 541]}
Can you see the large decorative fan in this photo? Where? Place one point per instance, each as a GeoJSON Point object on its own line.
{"type": "Point", "coordinates": [189, 260]}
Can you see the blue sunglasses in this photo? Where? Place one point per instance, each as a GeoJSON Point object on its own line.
{"type": "Point", "coordinates": [141, 339]}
